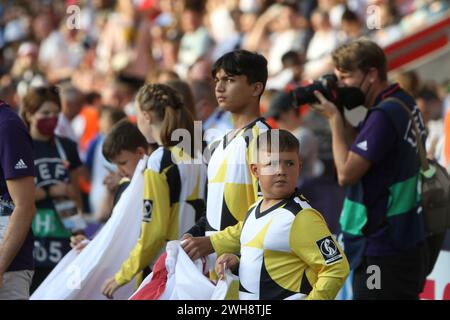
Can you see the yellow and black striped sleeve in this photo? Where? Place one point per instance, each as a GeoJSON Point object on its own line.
{"type": "Point", "coordinates": [311, 240]}
{"type": "Point", "coordinates": [154, 228]}
{"type": "Point", "coordinates": [227, 240]}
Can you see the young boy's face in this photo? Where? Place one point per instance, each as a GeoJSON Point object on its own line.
{"type": "Point", "coordinates": [127, 161]}
{"type": "Point", "coordinates": [234, 93]}
{"type": "Point", "coordinates": [278, 173]}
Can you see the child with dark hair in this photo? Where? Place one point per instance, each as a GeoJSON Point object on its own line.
{"type": "Point", "coordinates": [124, 146]}
{"type": "Point", "coordinates": [123, 137]}
{"type": "Point", "coordinates": [243, 63]}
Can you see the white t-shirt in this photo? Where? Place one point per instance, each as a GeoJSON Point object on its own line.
{"type": "Point", "coordinates": [282, 42]}
{"type": "Point", "coordinates": [193, 45]}
{"type": "Point", "coordinates": [321, 44]}
{"type": "Point", "coordinates": [64, 128]}
{"type": "Point", "coordinates": [56, 53]}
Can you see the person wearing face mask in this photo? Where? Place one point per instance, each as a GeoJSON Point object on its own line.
{"type": "Point", "coordinates": [381, 219]}
{"type": "Point", "coordinates": [58, 198]}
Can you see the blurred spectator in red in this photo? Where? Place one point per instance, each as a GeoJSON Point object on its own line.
{"type": "Point", "coordinates": [85, 124]}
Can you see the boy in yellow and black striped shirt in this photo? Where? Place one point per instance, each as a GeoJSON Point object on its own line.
{"type": "Point", "coordinates": [286, 249]}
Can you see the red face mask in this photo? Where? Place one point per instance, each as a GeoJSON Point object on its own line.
{"type": "Point", "coordinates": [46, 126]}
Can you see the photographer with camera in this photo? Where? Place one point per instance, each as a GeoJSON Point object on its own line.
{"type": "Point", "coordinates": [381, 220]}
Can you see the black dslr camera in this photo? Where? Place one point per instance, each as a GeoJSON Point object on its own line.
{"type": "Point", "coordinates": [348, 97]}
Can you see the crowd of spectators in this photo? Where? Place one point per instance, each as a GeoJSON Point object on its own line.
{"type": "Point", "coordinates": [101, 51]}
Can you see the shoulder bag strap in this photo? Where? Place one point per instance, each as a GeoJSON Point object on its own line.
{"type": "Point", "coordinates": [420, 147]}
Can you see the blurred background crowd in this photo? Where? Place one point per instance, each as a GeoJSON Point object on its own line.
{"type": "Point", "coordinates": [99, 52]}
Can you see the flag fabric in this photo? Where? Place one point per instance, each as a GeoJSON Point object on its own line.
{"type": "Point", "coordinates": [176, 277]}
{"type": "Point", "coordinates": [80, 276]}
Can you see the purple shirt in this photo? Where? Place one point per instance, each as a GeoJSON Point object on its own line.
{"type": "Point", "coordinates": [16, 161]}
{"type": "Point", "coordinates": [376, 142]}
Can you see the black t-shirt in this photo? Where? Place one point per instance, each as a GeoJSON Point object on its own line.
{"type": "Point", "coordinates": [53, 160]}
{"type": "Point", "coordinates": [53, 163]}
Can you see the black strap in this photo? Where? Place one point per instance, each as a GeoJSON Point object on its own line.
{"type": "Point", "coordinates": [422, 153]}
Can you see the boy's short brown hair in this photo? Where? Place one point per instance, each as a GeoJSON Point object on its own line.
{"type": "Point", "coordinates": [124, 136]}
{"type": "Point", "coordinates": [286, 141]}
{"type": "Point", "coordinates": [361, 54]}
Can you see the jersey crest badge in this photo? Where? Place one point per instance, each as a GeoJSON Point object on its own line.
{"type": "Point", "coordinates": [329, 250]}
{"type": "Point", "coordinates": [148, 207]}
